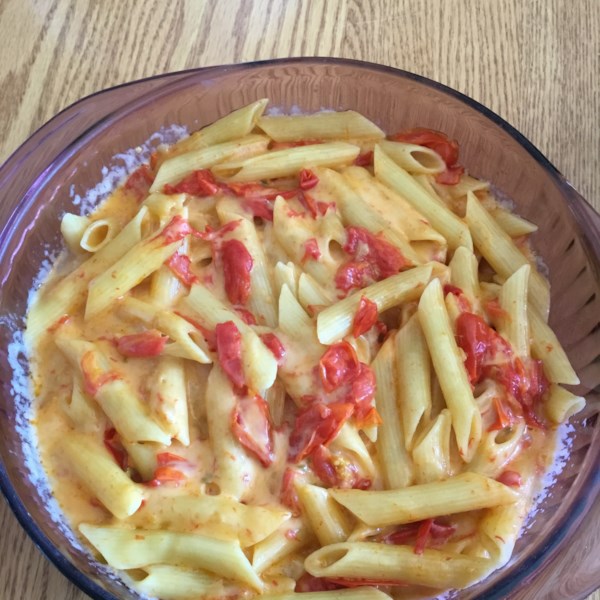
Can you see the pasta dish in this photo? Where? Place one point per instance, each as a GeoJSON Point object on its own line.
{"type": "Point", "coordinates": [295, 356]}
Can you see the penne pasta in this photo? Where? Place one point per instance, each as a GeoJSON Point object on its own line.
{"type": "Point", "coordinates": [503, 255]}
{"type": "Point", "coordinates": [395, 564]}
{"type": "Point", "coordinates": [283, 163]}
{"type": "Point", "coordinates": [321, 126]}
{"type": "Point", "coordinates": [335, 322]}
{"type": "Point", "coordinates": [138, 548]}
{"type": "Point", "coordinates": [462, 493]}
{"type": "Point", "coordinates": [96, 468]}
{"type": "Point", "coordinates": [441, 218]}
{"type": "Point", "coordinates": [448, 365]}
{"type": "Point", "coordinates": [396, 463]}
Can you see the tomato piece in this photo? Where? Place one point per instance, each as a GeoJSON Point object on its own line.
{"type": "Point", "coordinates": [474, 337]}
{"type": "Point", "coordinates": [423, 536]}
{"type": "Point", "coordinates": [237, 265]}
{"type": "Point", "coordinates": [365, 317]}
{"type": "Point", "coordinates": [363, 385]}
{"type": "Point", "coordinates": [207, 334]}
{"type": "Point", "coordinates": [198, 183]}
{"type": "Point", "coordinates": [308, 583]}
{"type": "Point", "coordinates": [372, 259]}
{"type": "Point", "coordinates": [451, 289]}
{"type": "Point", "coordinates": [139, 182]}
{"type": "Point", "coordinates": [288, 495]}
{"type": "Point", "coordinates": [505, 415]}
{"type": "Point", "coordinates": [451, 176]}
{"type": "Point", "coordinates": [261, 208]}
{"type": "Point", "coordinates": [510, 478]}
{"type": "Point", "coordinates": [317, 424]}
{"type": "Point", "coordinates": [365, 159]}
{"type": "Point", "coordinates": [257, 191]}
{"type": "Point", "coordinates": [168, 458]}
{"type": "Point", "coordinates": [251, 425]}
{"type": "Point", "coordinates": [438, 142]}
{"type": "Point", "coordinates": [166, 474]}
{"type": "Point", "coordinates": [58, 323]}
{"type": "Point", "coordinates": [246, 315]}
{"type": "Point", "coordinates": [180, 267]}
{"type": "Point", "coordinates": [229, 350]}
{"type": "Point", "coordinates": [311, 250]}
{"type": "Point", "coordinates": [353, 274]}
{"type": "Point", "coordinates": [273, 343]}
{"type": "Point", "coordinates": [307, 180]}
{"type": "Point", "coordinates": [93, 376]}
{"type": "Point", "coordinates": [494, 310]}
{"type": "Point", "coordinates": [322, 465]}
{"type": "Point", "coordinates": [142, 345]}
{"type": "Point", "coordinates": [402, 535]}
{"type": "Point", "coordinates": [112, 443]}
{"type": "Point", "coordinates": [338, 365]}
{"type": "Point", "coordinates": [177, 229]}
{"type": "Point", "coordinates": [435, 140]}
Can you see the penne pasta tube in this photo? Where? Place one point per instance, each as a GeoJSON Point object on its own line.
{"type": "Point", "coordinates": [311, 293]}
{"type": "Point", "coordinates": [395, 564]}
{"type": "Point", "coordinates": [503, 255]}
{"type": "Point", "coordinates": [138, 548]}
{"type": "Point", "coordinates": [514, 325]}
{"type": "Point", "coordinates": [462, 493]}
{"type": "Point", "coordinates": [219, 517]}
{"type": "Point", "coordinates": [545, 346]}
{"type": "Point", "coordinates": [441, 218]}
{"type": "Point", "coordinates": [81, 409]}
{"type": "Point", "coordinates": [327, 519]}
{"type": "Point", "coordinates": [450, 370]}
{"type": "Point", "coordinates": [284, 163]}
{"type": "Point", "coordinates": [187, 340]}
{"type": "Point", "coordinates": [497, 449]}
{"type": "Point", "coordinates": [130, 270]}
{"type": "Point", "coordinates": [260, 366]}
{"type": "Point", "coordinates": [358, 212]}
{"type": "Point", "coordinates": [143, 456]}
{"type": "Point", "coordinates": [395, 210]}
{"type": "Point", "coordinates": [174, 583]}
{"type": "Point", "coordinates": [464, 273]}
{"type": "Point", "coordinates": [168, 398]}
{"type": "Point", "coordinates": [512, 224]}
{"type": "Point", "coordinates": [70, 292]}
{"type": "Point", "coordinates": [295, 230]}
{"type": "Point", "coordinates": [114, 395]}
{"type": "Point", "coordinates": [236, 472]}
{"type": "Point", "coordinates": [561, 404]}
{"type": "Point", "coordinates": [72, 228]}
{"type": "Point", "coordinates": [175, 169]}
{"type": "Point", "coordinates": [396, 464]}
{"type": "Point", "coordinates": [320, 126]}
{"type": "Point", "coordinates": [97, 234]}
{"type": "Point", "coordinates": [236, 124]}
{"type": "Point", "coordinates": [413, 158]}
{"type": "Point", "coordinates": [288, 539]}
{"type": "Point", "coordinates": [413, 383]}
{"type": "Point", "coordinates": [335, 322]}
{"type": "Point", "coordinates": [431, 452]}
{"type": "Point", "coordinates": [97, 469]}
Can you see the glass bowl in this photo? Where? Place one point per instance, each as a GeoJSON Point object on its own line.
{"type": "Point", "coordinates": [556, 556]}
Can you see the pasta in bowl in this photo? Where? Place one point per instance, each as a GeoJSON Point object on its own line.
{"type": "Point", "coordinates": [292, 354]}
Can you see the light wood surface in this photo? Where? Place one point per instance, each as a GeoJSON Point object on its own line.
{"type": "Point", "coordinates": [534, 62]}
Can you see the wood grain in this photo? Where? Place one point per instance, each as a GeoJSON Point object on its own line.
{"type": "Point", "coordinates": [534, 62]}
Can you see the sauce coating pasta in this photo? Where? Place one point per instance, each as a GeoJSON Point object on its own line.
{"type": "Point", "coordinates": [304, 357]}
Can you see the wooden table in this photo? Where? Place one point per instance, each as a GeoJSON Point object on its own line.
{"type": "Point", "coordinates": [534, 62]}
